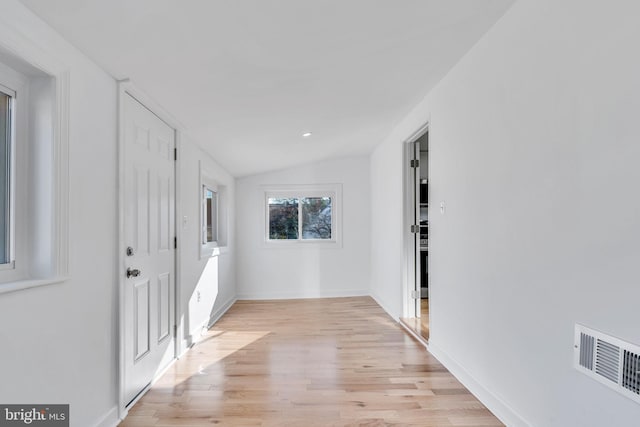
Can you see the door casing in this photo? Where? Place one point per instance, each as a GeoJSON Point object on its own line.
{"type": "Point", "coordinates": [411, 215]}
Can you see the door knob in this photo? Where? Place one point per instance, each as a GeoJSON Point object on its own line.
{"type": "Point", "coordinates": [132, 272]}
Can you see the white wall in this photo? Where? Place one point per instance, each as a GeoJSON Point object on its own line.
{"type": "Point", "coordinates": [305, 271]}
{"type": "Point", "coordinates": [387, 262]}
{"type": "Point", "coordinates": [534, 149]}
{"type": "Point", "coordinates": [212, 277]}
{"type": "Point", "coordinates": [59, 341]}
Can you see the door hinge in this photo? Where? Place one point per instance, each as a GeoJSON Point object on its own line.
{"type": "Point", "coordinates": [175, 154]}
{"type": "Point", "coordinates": [415, 163]}
{"type": "Point", "coordinates": [175, 243]}
{"type": "Point", "coordinates": [415, 294]}
{"type": "Point", "coordinates": [175, 331]}
{"type": "Point", "coordinates": [415, 229]}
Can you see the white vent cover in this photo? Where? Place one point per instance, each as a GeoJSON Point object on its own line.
{"type": "Point", "coordinates": [609, 360]}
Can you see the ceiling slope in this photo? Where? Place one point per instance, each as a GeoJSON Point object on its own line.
{"type": "Point", "coordinates": [249, 77]}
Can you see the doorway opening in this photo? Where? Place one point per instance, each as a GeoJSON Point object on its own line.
{"type": "Point", "coordinates": [416, 315]}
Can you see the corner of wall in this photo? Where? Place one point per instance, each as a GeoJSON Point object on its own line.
{"type": "Point", "coordinates": [493, 402]}
{"type": "Point", "coordinates": [110, 419]}
{"type": "Point", "coordinates": [385, 307]}
{"type": "Point", "coordinates": [216, 315]}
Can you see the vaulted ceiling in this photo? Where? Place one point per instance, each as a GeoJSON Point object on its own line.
{"type": "Point", "coordinates": [248, 77]}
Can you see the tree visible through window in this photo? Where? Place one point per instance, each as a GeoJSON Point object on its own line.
{"type": "Point", "coordinates": [300, 218]}
{"type": "Point", "coordinates": [283, 218]}
{"type": "Point", "coordinates": [316, 217]}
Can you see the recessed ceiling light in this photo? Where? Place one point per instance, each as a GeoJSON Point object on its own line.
{"type": "Point", "coordinates": [306, 134]}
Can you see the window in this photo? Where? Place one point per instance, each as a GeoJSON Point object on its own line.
{"type": "Point", "coordinates": [6, 168]}
{"type": "Point", "coordinates": [213, 198]}
{"type": "Point", "coordinates": [305, 214]}
{"type": "Point", "coordinates": [209, 215]}
{"type": "Point", "coordinates": [33, 172]}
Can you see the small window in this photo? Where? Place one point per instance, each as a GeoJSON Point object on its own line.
{"type": "Point", "coordinates": [305, 214]}
{"type": "Point", "coordinates": [209, 215]}
{"type": "Point", "coordinates": [33, 171]}
{"type": "Point", "coordinates": [214, 217]}
{"type": "Point", "coordinates": [6, 168]}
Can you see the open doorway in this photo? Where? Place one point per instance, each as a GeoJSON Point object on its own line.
{"type": "Point", "coordinates": [416, 316]}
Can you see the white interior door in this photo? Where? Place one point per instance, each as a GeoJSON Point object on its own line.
{"type": "Point", "coordinates": [149, 230]}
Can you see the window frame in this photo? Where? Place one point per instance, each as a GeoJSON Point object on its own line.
{"type": "Point", "coordinates": [207, 180]}
{"type": "Point", "coordinates": [9, 91]}
{"type": "Point", "coordinates": [334, 191]}
{"type": "Point", "coordinates": [215, 216]}
{"type": "Point", "coordinates": [40, 136]}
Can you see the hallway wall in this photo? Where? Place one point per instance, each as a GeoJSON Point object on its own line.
{"type": "Point", "coordinates": [59, 341]}
{"type": "Point", "coordinates": [534, 151]}
{"type": "Point", "coordinates": [208, 281]}
{"type": "Point", "coordinates": [304, 271]}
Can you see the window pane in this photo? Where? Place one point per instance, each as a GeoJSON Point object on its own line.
{"type": "Point", "coordinates": [210, 216]}
{"type": "Point", "coordinates": [283, 218]}
{"type": "Point", "coordinates": [5, 175]}
{"type": "Point", "coordinates": [316, 217]}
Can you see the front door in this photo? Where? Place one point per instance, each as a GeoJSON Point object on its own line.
{"type": "Point", "coordinates": [149, 255]}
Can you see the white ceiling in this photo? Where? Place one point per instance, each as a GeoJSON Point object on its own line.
{"type": "Point", "coordinates": [248, 77]}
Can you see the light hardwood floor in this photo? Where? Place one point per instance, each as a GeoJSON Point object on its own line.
{"type": "Point", "coordinates": [322, 362]}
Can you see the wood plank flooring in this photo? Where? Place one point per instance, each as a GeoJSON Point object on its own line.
{"type": "Point", "coordinates": [320, 362]}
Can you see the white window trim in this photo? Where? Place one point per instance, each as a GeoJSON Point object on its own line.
{"type": "Point", "coordinates": [52, 257]}
{"type": "Point", "coordinates": [301, 191]}
{"type": "Point", "coordinates": [203, 226]}
{"type": "Point", "coordinates": [13, 83]}
{"type": "Point", "coordinates": [11, 265]}
{"type": "Point", "coordinates": [211, 249]}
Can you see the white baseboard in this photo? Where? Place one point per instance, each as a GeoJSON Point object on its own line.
{"type": "Point", "coordinates": [196, 333]}
{"type": "Point", "coordinates": [216, 315]}
{"type": "Point", "coordinates": [110, 419]}
{"type": "Point", "coordinates": [495, 404]}
{"type": "Point", "coordinates": [304, 294]}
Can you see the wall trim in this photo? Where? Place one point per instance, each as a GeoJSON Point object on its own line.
{"type": "Point", "coordinates": [110, 419]}
{"type": "Point", "coordinates": [494, 403]}
{"type": "Point", "coordinates": [304, 295]}
{"type": "Point", "coordinates": [33, 64]}
{"type": "Point", "coordinates": [410, 273]}
{"type": "Point", "coordinates": [195, 335]}
{"type": "Point", "coordinates": [216, 315]}
{"type": "Point", "coordinates": [128, 86]}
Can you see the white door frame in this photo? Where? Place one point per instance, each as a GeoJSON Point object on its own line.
{"type": "Point", "coordinates": [411, 250]}
{"type": "Point", "coordinates": [126, 87]}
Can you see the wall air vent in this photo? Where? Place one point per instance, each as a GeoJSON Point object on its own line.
{"type": "Point", "coordinates": [609, 360]}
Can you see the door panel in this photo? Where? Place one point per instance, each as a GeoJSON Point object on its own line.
{"type": "Point", "coordinates": [164, 307]}
{"type": "Point", "coordinates": [165, 186]}
{"type": "Point", "coordinates": [149, 228]}
{"type": "Point", "coordinates": [142, 323]}
{"type": "Point", "coordinates": [140, 199]}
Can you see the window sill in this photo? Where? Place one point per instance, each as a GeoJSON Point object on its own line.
{"type": "Point", "coordinates": [20, 285]}
{"type": "Point", "coordinates": [327, 244]}
{"type": "Point", "coordinates": [213, 252]}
